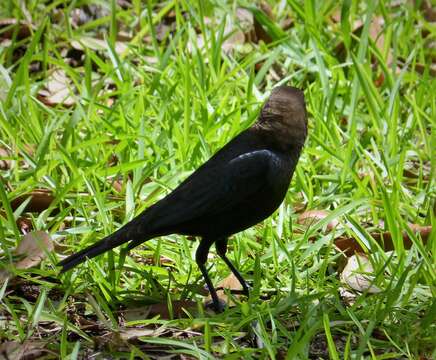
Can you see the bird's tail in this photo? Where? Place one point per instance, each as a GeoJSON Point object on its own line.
{"type": "Point", "coordinates": [121, 236]}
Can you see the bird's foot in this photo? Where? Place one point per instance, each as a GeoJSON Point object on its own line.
{"type": "Point", "coordinates": [217, 306]}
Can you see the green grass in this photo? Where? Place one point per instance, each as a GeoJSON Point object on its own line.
{"type": "Point", "coordinates": [148, 124]}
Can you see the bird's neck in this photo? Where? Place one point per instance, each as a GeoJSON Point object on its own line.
{"type": "Point", "coordinates": [279, 136]}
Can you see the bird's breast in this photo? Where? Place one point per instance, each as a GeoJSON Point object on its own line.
{"type": "Point", "coordinates": [260, 205]}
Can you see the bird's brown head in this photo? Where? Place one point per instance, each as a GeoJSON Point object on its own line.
{"type": "Point", "coordinates": [284, 117]}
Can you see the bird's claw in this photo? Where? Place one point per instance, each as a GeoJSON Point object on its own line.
{"type": "Point", "coordinates": [217, 306]}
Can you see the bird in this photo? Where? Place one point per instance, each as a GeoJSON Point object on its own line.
{"type": "Point", "coordinates": [242, 184]}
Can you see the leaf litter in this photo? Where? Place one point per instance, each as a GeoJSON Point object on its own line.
{"type": "Point", "coordinates": [32, 249]}
{"type": "Point", "coordinates": [358, 274]}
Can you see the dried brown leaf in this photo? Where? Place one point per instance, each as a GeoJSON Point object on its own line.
{"type": "Point", "coordinates": [350, 245]}
{"type": "Point", "coordinates": [376, 34]}
{"type": "Point", "coordinates": [31, 251]}
{"type": "Point", "coordinates": [347, 296]}
{"type": "Point", "coordinates": [117, 184]}
{"type": "Point", "coordinates": [97, 44]}
{"type": "Point", "coordinates": [311, 217]}
{"type": "Point", "coordinates": [124, 4]}
{"type": "Point", "coordinates": [163, 30]}
{"type": "Point", "coordinates": [358, 274]}
{"type": "Point", "coordinates": [177, 309]}
{"type": "Point", "coordinates": [30, 148]}
{"type": "Point", "coordinates": [34, 247]}
{"type": "Point", "coordinates": [134, 314]}
{"type": "Point", "coordinates": [244, 19]}
{"type": "Point", "coordinates": [29, 349]}
{"type": "Point", "coordinates": [41, 200]}
{"type": "Point", "coordinates": [420, 68]}
{"type": "Point", "coordinates": [378, 82]}
{"type": "Point", "coordinates": [413, 170]}
{"type": "Point", "coordinates": [86, 13]}
{"type": "Point", "coordinates": [428, 10]}
{"type": "Point", "coordinates": [24, 224]}
{"type": "Point", "coordinates": [229, 283]}
{"type": "Point", "coordinates": [5, 159]}
{"type": "Point", "coordinates": [8, 27]}
{"type": "Point", "coordinates": [237, 38]}
{"type": "Point", "coordinates": [336, 16]}
{"type": "Point", "coordinates": [261, 34]}
{"type": "Point", "coordinates": [159, 309]}
{"type": "Point", "coordinates": [57, 90]}
{"type": "Point", "coordinates": [128, 333]}
{"type": "Point", "coordinates": [287, 23]}
{"type": "Point", "coordinates": [241, 29]}
{"type": "Point", "coordinates": [266, 8]}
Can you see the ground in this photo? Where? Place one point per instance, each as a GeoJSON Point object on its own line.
{"type": "Point", "coordinates": [106, 106]}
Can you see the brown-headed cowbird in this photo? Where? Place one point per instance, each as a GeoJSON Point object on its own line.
{"type": "Point", "coordinates": [242, 184]}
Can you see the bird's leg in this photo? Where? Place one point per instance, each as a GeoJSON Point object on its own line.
{"type": "Point", "coordinates": [201, 258]}
{"type": "Point", "coordinates": [221, 248]}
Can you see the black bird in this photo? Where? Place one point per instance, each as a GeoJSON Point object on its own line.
{"type": "Point", "coordinates": [242, 184]}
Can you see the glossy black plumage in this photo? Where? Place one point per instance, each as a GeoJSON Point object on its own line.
{"type": "Point", "coordinates": [242, 184]}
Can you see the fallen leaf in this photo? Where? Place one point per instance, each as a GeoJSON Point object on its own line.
{"type": "Point", "coordinates": [379, 80]}
{"type": "Point", "coordinates": [266, 8]}
{"type": "Point", "coordinates": [117, 184]}
{"type": "Point", "coordinates": [375, 33]}
{"type": "Point", "coordinates": [30, 148]}
{"type": "Point", "coordinates": [57, 90]}
{"type": "Point", "coordinates": [241, 30]}
{"type": "Point", "coordinates": [358, 274]}
{"type": "Point", "coordinates": [24, 289]}
{"type": "Point", "coordinates": [31, 251]}
{"type": "Point", "coordinates": [28, 349]}
{"type": "Point", "coordinates": [87, 42]}
{"type": "Point", "coordinates": [195, 42]}
{"type": "Point", "coordinates": [5, 159]}
{"type": "Point", "coordinates": [134, 314]}
{"type": "Point", "coordinates": [41, 200]}
{"type": "Point", "coordinates": [124, 4]}
{"type": "Point", "coordinates": [287, 23]}
{"type": "Point", "coordinates": [336, 16]}
{"type": "Point", "coordinates": [261, 33]}
{"type": "Point", "coordinates": [34, 247]}
{"type": "Point", "coordinates": [86, 13]}
{"type": "Point", "coordinates": [350, 245]}
{"type": "Point", "coordinates": [311, 217]}
{"type": "Point", "coordinates": [413, 169]}
{"type": "Point", "coordinates": [8, 27]}
{"type": "Point", "coordinates": [396, 3]}
{"type": "Point", "coordinates": [159, 309]}
{"type": "Point", "coordinates": [127, 334]}
{"type": "Point", "coordinates": [229, 283]}
{"type": "Point", "coordinates": [244, 19]}
{"type": "Point", "coordinates": [420, 68]}
{"type": "Point", "coordinates": [430, 46]}
{"type": "Point", "coordinates": [24, 224]}
{"type": "Point", "coordinates": [177, 309]}
{"type": "Point", "coordinates": [428, 10]}
{"type": "Point", "coordinates": [233, 41]}
{"type": "Point", "coordinates": [163, 30]}
{"type": "Point", "coordinates": [347, 296]}
{"type": "Point", "coordinates": [74, 57]}
{"type": "Point", "coordinates": [167, 26]}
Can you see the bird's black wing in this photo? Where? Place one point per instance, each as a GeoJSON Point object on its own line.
{"type": "Point", "coordinates": [210, 191]}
